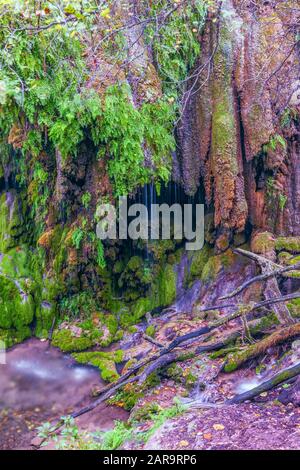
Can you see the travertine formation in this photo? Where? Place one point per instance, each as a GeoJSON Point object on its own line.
{"type": "Point", "coordinates": [238, 132]}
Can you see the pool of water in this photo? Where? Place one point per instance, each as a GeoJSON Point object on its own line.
{"type": "Point", "coordinates": [39, 383]}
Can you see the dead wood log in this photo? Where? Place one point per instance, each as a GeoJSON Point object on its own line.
{"type": "Point", "coordinates": [261, 260]}
{"type": "Point", "coordinates": [160, 362]}
{"type": "Point", "coordinates": [153, 341]}
{"type": "Point", "coordinates": [239, 358]}
{"type": "Point", "coordinates": [257, 327]}
{"type": "Point", "coordinates": [277, 379]}
{"type": "Point", "coordinates": [192, 335]}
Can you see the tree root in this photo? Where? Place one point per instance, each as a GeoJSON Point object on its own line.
{"type": "Point", "coordinates": [277, 379]}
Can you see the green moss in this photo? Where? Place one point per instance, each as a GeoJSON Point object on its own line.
{"type": "Point", "coordinates": [263, 243]}
{"type": "Point", "coordinates": [185, 356]}
{"type": "Point", "coordinates": [16, 308]}
{"type": "Point", "coordinates": [139, 309]}
{"type": "Point", "coordinates": [45, 315]}
{"type": "Point", "coordinates": [264, 324]}
{"type": "Point", "coordinates": [11, 337]}
{"type": "Point", "coordinates": [11, 220]}
{"type": "Point", "coordinates": [175, 372]}
{"type": "Point", "coordinates": [160, 248]}
{"type": "Point", "coordinates": [294, 308]}
{"type": "Point", "coordinates": [235, 359]}
{"type": "Point", "coordinates": [126, 398]}
{"type": "Point", "coordinates": [215, 264]}
{"type": "Point", "coordinates": [145, 412]}
{"type": "Point", "coordinates": [105, 361]}
{"type": "Point", "coordinates": [167, 286]}
{"type": "Point", "coordinates": [222, 352]}
{"type": "Point", "coordinates": [199, 260]}
{"type": "Point", "coordinates": [150, 331]}
{"type": "Point", "coordinates": [111, 322]}
{"type": "Point", "coordinates": [190, 380]}
{"type": "Point", "coordinates": [64, 340]}
{"type": "Point", "coordinates": [291, 244]}
{"type": "Point", "coordinates": [135, 263]}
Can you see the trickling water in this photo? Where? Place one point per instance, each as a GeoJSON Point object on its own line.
{"type": "Point", "coordinates": [247, 384]}
{"type": "Point", "coordinates": [200, 394]}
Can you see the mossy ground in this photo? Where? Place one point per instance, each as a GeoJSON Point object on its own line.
{"type": "Point", "coordinates": [105, 361]}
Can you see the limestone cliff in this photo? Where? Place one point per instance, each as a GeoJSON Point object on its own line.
{"type": "Point", "coordinates": [198, 96]}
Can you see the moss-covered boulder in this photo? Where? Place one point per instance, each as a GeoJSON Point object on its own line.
{"type": "Point", "coordinates": [263, 243]}
{"type": "Point", "coordinates": [105, 361]}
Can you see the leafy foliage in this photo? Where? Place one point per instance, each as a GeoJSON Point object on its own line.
{"type": "Point", "coordinates": [71, 438]}
{"type": "Point", "coordinates": [177, 45]}
{"type": "Point", "coordinates": [77, 237]}
{"type": "Point", "coordinates": [125, 130]}
{"type": "Point", "coordinates": [275, 140]}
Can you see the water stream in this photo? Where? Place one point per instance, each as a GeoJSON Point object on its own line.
{"type": "Point", "coordinates": [39, 383]}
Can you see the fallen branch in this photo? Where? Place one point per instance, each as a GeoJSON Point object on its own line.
{"type": "Point", "coordinates": [284, 298]}
{"type": "Point", "coordinates": [239, 358]}
{"type": "Point", "coordinates": [256, 327]}
{"type": "Point", "coordinates": [152, 340]}
{"type": "Point", "coordinates": [277, 379]}
{"type": "Point", "coordinates": [260, 278]}
{"type": "Point", "coordinates": [160, 362]}
{"type": "Point", "coordinates": [261, 260]}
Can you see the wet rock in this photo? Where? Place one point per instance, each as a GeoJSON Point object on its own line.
{"type": "Point", "coordinates": [291, 395]}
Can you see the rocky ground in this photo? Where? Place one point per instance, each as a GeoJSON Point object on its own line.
{"type": "Point", "coordinates": [238, 427]}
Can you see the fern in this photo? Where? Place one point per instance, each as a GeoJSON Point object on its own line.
{"type": "Point", "coordinates": [100, 255]}
{"type": "Point", "coordinates": [77, 237]}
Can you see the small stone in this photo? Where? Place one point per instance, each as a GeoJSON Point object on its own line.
{"type": "Point", "coordinates": [36, 441]}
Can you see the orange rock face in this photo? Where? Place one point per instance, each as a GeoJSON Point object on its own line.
{"type": "Point", "coordinates": [239, 132]}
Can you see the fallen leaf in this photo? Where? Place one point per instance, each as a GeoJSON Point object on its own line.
{"type": "Point", "coordinates": [207, 436]}
{"type": "Point", "coordinates": [183, 443]}
{"type": "Point", "coordinates": [218, 427]}
{"type": "Point", "coordinates": [264, 394]}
